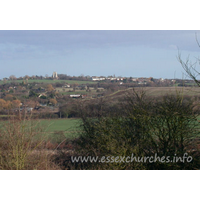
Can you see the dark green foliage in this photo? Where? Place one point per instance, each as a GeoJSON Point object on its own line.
{"type": "Point", "coordinates": [69, 111]}
{"type": "Point", "coordinates": [46, 115]}
{"type": "Point", "coordinates": [32, 94]}
{"type": "Point", "coordinates": [147, 127]}
{"type": "Point", "coordinates": [52, 95]}
{"type": "Point", "coordinates": [43, 97]}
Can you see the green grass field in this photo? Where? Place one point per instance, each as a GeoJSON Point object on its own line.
{"type": "Point", "coordinates": [57, 129]}
{"type": "Point", "coordinates": [61, 128]}
{"type": "Point", "coordinates": [51, 81]}
{"type": "Point", "coordinates": [67, 125]}
{"type": "Point", "coordinates": [68, 91]}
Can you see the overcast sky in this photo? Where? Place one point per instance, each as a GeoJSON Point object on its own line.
{"type": "Point", "coordinates": [123, 53]}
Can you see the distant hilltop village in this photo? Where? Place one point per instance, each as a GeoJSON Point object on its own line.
{"type": "Point", "coordinates": [109, 78]}
{"type": "Point", "coordinates": [44, 93]}
{"type": "Point", "coordinates": [125, 79]}
{"type": "Point", "coordinates": [141, 81]}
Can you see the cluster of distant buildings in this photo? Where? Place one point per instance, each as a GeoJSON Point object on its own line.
{"type": "Point", "coordinates": [102, 78]}
{"type": "Point", "coordinates": [121, 79]}
{"type": "Point", "coordinates": [113, 78]}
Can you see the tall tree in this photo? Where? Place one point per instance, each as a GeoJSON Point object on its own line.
{"type": "Point", "coordinates": [12, 77]}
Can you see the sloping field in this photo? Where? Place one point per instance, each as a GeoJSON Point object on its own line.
{"type": "Point", "coordinates": [159, 91]}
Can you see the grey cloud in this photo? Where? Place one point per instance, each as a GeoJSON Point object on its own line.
{"type": "Point", "coordinates": [46, 43]}
{"type": "Point", "coordinates": [115, 37]}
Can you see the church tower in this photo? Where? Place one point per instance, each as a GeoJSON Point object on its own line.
{"type": "Point", "coordinates": [54, 75]}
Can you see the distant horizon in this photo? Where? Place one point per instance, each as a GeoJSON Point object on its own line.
{"type": "Point", "coordinates": [136, 53]}
{"type": "Point", "coordinates": [50, 76]}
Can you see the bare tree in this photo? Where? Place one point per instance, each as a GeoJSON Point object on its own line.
{"type": "Point", "coordinates": [26, 77]}
{"type": "Point", "coordinates": [12, 77]}
{"type": "Point", "coordinates": [190, 66]}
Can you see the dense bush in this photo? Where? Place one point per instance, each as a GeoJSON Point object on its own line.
{"type": "Point", "coordinates": [147, 127]}
{"type": "Point", "coordinates": [69, 110]}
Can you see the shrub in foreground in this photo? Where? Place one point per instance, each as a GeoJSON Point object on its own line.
{"type": "Point", "coordinates": [148, 127]}
{"type": "Point", "coordinates": [22, 146]}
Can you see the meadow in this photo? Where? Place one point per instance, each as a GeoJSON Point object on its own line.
{"type": "Point", "coordinates": [56, 129]}
{"type": "Point", "coordinates": [159, 91]}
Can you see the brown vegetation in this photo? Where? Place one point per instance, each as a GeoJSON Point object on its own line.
{"type": "Point", "coordinates": [23, 146]}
